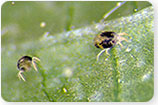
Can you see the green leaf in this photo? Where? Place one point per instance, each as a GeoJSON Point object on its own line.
{"type": "Point", "coordinates": [68, 70]}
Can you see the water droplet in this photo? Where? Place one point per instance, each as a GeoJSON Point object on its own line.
{"type": "Point", "coordinates": [68, 72]}
{"type": "Point", "coordinates": [12, 3]}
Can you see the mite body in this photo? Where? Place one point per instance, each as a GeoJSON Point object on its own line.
{"type": "Point", "coordinates": [25, 64]}
{"type": "Point", "coordinates": [108, 39]}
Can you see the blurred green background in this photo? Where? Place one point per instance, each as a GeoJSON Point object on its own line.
{"type": "Point", "coordinates": [21, 21]}
{"type": "Point", "coordinates": [68, 70]}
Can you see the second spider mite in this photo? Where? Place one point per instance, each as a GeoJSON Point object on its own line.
{"type": "Point", "coordinates": [25, 63]}
{"type": "Point", "coordinates": [107, 40]}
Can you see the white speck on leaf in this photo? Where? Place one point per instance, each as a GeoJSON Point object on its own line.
{"type": "Point", "coordinates": [42, 24]}
{"type": "Point", "coordinates": [65, 90]}
{"type": "Point", "coordinates": [146, 76]}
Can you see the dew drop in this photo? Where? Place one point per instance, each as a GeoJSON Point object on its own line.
{"type": "Point", "coordinates": [68, 72]}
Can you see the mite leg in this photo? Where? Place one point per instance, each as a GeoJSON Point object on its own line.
{"type": "Point", "coordinates": [120, 39]}
{"type": "Point", "coordinates": [20, 76]}
{"type": "Point", "coordinates": [34, 65]}
{"type": "Point", "coordinates": [34, 59]}
{"type": "Point", "coordinates": [123, 39]}
{"type": "Point", "coordinates": [102, 51]}
{"type": "Point", "coordinates": [120, 34]}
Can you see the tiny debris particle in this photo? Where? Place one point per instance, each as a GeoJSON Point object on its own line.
{"type": "Point", "coordinates": [88, 99]}
{"type": "Point", "coordinates": [118, 4]}
{"type": "Point", "coordinates": [65, 90]}
{"type": "Point", "coordinates": [119, 80]}
{"type": "Point", "coordinates": [135, 10]}
{"type": "Point", "coordinates": [128, 49]}
{"type": "Point", "coordinates": [42, 24]}
{"type": "Point", "coordinates": [146, 76]}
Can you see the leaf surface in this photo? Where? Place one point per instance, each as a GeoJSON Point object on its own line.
{"type": "Point", "coordinates": [68, 70]}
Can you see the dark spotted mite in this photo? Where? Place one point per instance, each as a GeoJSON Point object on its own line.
{"type": "Point", "coordinates": [108, 39]}
{"type": "Point", "coordinates": [25, 64]}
